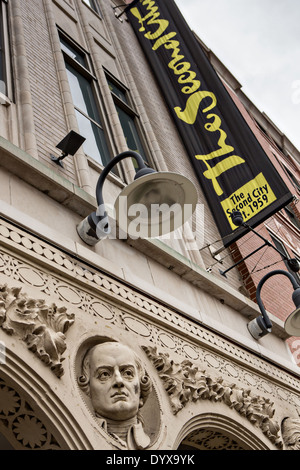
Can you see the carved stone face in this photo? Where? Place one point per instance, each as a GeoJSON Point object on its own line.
{"type": "Point", "coordinates": [114, 382]}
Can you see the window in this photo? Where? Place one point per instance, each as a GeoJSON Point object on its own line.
{"type": "Point", "coordinates": [93, 5]}
{"type": "Point", "coordinates": [2, 53]}
{"type": "Point", "coordinates": [291, 215]}
{"type": "Point", "coordinates": [280, 246]}
{"type": "Point", "coordinates": [5, 79]}
{"type": "Point", "coordinates": [83, 90]}
{"type": "Point", "coordinates": [127, 117]}
{"type": "Point", "coordinates": [293, 179]}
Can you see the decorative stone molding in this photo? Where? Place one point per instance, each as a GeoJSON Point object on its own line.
{"type": "Point", "coordinates": [42, 327]}
{"type": "Point", "coordinates": [91, 284]}
{"type": "Point", "coordinates": [207, 439]}
{"type": "Point", "coordinates": [291, 433]}
{"type": "Point", "coordinates": [104, 298]}
{"type": "Point", "coordinates": [185, 383]}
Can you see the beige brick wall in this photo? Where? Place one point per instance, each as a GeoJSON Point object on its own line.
{"type": "Point", "coordinates": [49, 119]}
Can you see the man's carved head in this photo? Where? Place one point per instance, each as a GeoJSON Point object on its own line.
{"type": "Point", "coordinates": [114, 378]}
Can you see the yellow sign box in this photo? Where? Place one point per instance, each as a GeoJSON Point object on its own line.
{"type": "Point", "coordinates": [250, 199]}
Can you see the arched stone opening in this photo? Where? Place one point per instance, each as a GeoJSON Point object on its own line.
{"type": "Point", "coordinates": [216, 432]}
{"type": "Point", "coordinates": [22, 424]}
{"type": "Point", "coordinates": [210, 439]}
{"type": "Point", "coordinates": [32, 416]}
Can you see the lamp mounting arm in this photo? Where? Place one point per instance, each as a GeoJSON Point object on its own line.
{"type": "Point", "coordinates": [142, 170]}
{"type": "Point", "coordinates": [100, 217]}
{"type": "Point", "coordinates": [147, 184]}
{"type": "Point", "coordinates": [293, 281]}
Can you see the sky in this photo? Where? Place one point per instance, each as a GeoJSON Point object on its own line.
{"type": "Point", "coordinates": [259, 42]}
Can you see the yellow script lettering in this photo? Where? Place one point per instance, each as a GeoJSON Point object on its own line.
{"type": "Point", "coordinates": [188, 77]}
{"type": "Point", "coordinates": [151, 18]}
{"type": "Point", "coordinates": [182, 68]}
{"type": "Point", "coordinates": [189, 115]}
{"type": "Point", "coordinates": [214, 127]}
{"type": "Point", "coordinates": [212, 173]}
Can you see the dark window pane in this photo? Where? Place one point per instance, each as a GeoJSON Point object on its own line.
{"type": "Point", "coordinates": [130, 132]}
{"type": "Point", "coordinates": [117, 91]}
{"type": "Point", "coordinates": [291, 215]}
{"type": "Point", "coordinates": [280, 246]}
{"type": "Point", "coordinates": [2, 70]}
{"type": "Point", "coordinates": [2, 59]}
{"type": "Point", "coordinates": [73, 53]}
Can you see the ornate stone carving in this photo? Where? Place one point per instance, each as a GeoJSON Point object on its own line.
{"type": "Point", "coordinates": [20, 423]}
{"type": "Point", "coordinates": [185, 383]}
{"type": "Point", "coordinates": [42, 327]}
{"type": "Point", "coordinates": [291, 433]}
{"type": "Point", "coordinates": [183, 330]}
{"type": "Point", "coordinates": [115, 380]}
{"type": "Point", "coordinates": [207, 439]}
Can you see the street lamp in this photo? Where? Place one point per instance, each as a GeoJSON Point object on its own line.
{"type": "Point", "coordinates": [160, 198]}
{"type": "Point", "coordinates": [262, 325]}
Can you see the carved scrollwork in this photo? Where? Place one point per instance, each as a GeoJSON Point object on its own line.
{"type": "Point", "coordinates": [185, 383]}
{"type": "Point", "coordinates": [42, 327]}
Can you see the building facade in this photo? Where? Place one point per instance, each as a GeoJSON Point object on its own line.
{"type": "Point", "coordinates": [195, 377]}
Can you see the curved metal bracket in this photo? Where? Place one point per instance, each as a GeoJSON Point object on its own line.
{"type": "Point", "coordinates": [261, 326]}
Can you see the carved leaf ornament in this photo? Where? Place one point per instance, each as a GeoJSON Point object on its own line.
{"type": "Point", "coordinates": [42, 327]}
{"type": "Point", "coordinates": [185, 383]}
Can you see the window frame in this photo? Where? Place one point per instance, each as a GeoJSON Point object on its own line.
{"type": "Point", "coordinates": [94, 6]}
{"type": "Point", "coordinates": [2, 48]}
{"type": "Point", "coordinates": [294, 180]}
{"type": "Point", "coordinates": [282, 248]}
{"type": "Point", "coordinates": [86, 71]}
{"type": "Point", "coordinates": [6, 94]}
{"type": "Point", "coordinates": [292, 217]}
{"type": "Point", "coordinates": [128, 109]}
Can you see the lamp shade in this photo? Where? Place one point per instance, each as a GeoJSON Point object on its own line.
{"type": "Point", "coordinates": [155, 204]}
{"type": "Point", "coordinates": [292, 323]}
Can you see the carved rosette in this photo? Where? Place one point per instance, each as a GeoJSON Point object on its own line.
{"type": "Point", "coordinates": [21, 424]}
{"type": "Point", "coordinates": [185, 383]}
{"type": "Point", "coordinates": [42, 327]}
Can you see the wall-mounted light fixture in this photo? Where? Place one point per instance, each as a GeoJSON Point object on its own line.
{"type": "Point", "coordinates": [262, 325]}
{"type": "Point", "coordinates": [69, 146]}
{"type": "Point", "coordinates": [163, 200]}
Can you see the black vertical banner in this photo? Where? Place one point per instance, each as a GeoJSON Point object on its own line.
{"type": "Point", "coordinates": [233, 170]}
